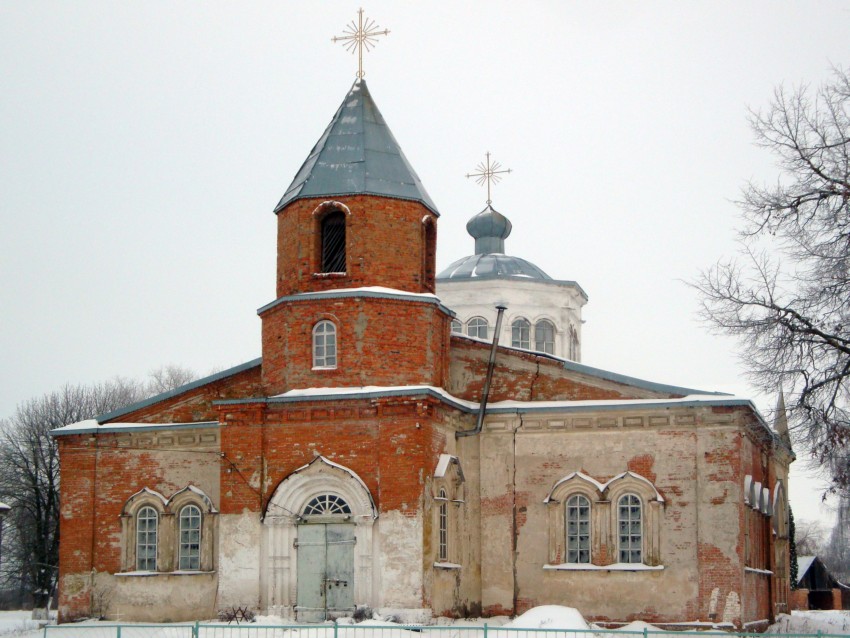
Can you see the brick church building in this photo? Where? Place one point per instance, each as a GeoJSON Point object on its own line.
{"type": "Point", "coordinates": [359, 464]}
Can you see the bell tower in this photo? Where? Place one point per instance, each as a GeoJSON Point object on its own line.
{"type": "Point", "coordinates": [356, 265]}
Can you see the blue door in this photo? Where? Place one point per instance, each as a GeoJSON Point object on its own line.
{"type": "Point", "coordinates": [325, 571]}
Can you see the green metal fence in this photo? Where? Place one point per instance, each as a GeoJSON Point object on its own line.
{"type": "Point", "coordinates": [382, 630]}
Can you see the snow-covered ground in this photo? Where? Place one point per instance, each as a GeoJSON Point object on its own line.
{"type": "Point", "coordinates": [560, 622]}
{"type": "Point", "coordinates": [811, 622]}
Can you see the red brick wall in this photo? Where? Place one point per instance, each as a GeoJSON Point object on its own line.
{"type": "Point", "coordinates": [385, 246]}
{"type": "Point", "coordinates": [799, 599]}
{"type": "Point", "coordinates": [99, 474]}
{"type": "Point", "coordinates": [522, 376]}
{"type": "Point", "coordinates": [392, 444]}
{"type": "Point", "coordinates": [196, 405]}
{"type": "Point", "coordinates": [379, 342]}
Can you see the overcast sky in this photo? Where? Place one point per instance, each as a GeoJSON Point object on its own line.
{"type": "Point", "coordinates": [144, 145]}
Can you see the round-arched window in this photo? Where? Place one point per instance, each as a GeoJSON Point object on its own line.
{"type": "Point", "coordinates": [326, 504]}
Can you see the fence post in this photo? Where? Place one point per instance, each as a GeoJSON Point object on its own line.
{"type": "Point", "coordinates": [45, 630]}
{"type": "Point", "coordinates": [117, 631]}
{"type": "Point", "coordinates": [644, 632]}
{"type": "Point", "coordinates": [195, 629]}
{"type": "Point", "coordinates": [336, 628]}
{"type": "Point", "coordinates": [485, 630]}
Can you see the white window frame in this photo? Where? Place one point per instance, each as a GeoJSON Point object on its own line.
{"type": "Point", "coordinates": [475, 326]}
{"type": "Point", "coordinates": [147, 538]}
{"type": "Point", "coordinates": [633, 541]}
{"type": "Point", "coordinates": [521, 333]}
{"type": "Point", "coordinates": [582, 552]}
{"type": "Point", "coordinates": [443, 527]}
{"type": "Point", "coordinates": [189, 541]}
{"type": "Point", "coordinates": [324, 336]}
{"type": "Point", "coordinates": [539, 344]}
{"type": "Point", "coordinates": [457, 327]}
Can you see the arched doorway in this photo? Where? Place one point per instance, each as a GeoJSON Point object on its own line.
{"type": "Point", "coordinates": [318, 544]}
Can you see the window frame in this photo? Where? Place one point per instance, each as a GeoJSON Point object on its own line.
{"type": "Point", "coordinates": [143, 515]}
{"type": "Point", "coordinates": [321, 362]}
{"type": "Point", "coordinates": [476, 324]}
{"type": "Point", "coordinates": [568, 507]}
{"type": "Point", "coordinates": [193, 558]}
{"type": "Point", "coordinates": [443, 527]}
{"type": "Point", "coordinates": [629, 551]}
{"type": "Point", "coordinates": [547, 347]}
{"type": "Point", "coordinates": [517, 326]}
{"type": "Point", "coordinates": [333, 222]}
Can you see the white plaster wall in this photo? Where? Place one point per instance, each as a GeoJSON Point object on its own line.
{"type": "Point", "coordinates": [240, 539]}
{"type": "Point", "coordinates": [399, 579]}
{"type": "Point", "coordinates": [559, 302]}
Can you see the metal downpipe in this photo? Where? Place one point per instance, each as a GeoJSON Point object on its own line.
{"type": "Point", "coordinates": [491, 365]}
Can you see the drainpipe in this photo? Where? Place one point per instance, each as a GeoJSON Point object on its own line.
{"type": "Point", "coordinates": [490, 367]}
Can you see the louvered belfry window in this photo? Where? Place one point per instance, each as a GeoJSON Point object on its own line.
{"type": "Point", "coordinates": [333, 242]}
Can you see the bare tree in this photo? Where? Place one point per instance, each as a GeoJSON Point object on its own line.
{"type": "Point", "coordinates": [29, 477]}
{"type": "Point", "coordinates": [788, 294]}
{"type": "Point", "coordinates": [169, 377]}
{"type": "Point", "coordinates": [809, 537]}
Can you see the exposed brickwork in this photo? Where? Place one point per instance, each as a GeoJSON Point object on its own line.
{"type": "Point", "coordinates": [523, 376]}
{"type": "Point", "coordinates": [386, 245]}
{"type": "Point", "coordinates": [196, 405]}
{"type": "Point", "coordinates": [379, 342]}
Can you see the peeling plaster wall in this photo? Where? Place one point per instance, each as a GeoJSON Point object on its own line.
{"type": "Point", "coordinates": [690, 455]}
{"type": "Point", "coordinates": [239, 560]}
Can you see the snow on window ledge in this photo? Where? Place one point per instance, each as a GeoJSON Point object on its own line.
{"type": "Point", "coordinates": [753, 570]}
{"type": "Point", "coordinates": [178, 572]}
{"type": "Point", "coordinates": [446, 566]}
{"type": "Point", "coordinates": [614, 567]}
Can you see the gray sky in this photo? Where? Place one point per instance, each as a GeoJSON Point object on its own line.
{"type": "Point", "coordinates": [144, 145]}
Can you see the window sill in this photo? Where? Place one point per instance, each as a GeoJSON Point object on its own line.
{"type": "Point", "coordinates": [446, 566]}
{"type": "Point", "coordinates": [329, 275]}
{"type": "Point", "coordinates": [754, 570]}
{"type": "Point", "coordinates": [179, 572]}
{"type": "Point", "coordinates": [323, 368]}
{"type": "Point", "coordinates": [615, 567]}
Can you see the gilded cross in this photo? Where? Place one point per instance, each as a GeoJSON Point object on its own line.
{"type": "Point", "coordinates": [359, 35]}
{"type": "Point", "coordinates": [488, 172]}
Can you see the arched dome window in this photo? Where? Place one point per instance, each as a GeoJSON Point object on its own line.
{"type": "Point", "coordinates": [477, 327]}
{"type": "Point", "coordinates": [544, 336]}
{"type": "Point", "coordinates": [521, 334]}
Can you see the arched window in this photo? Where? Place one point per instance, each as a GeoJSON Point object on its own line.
{"type": "Point", "coordinates": [520, 334]}
{"type": "Point", "coordinates": [573, 351]}
{"type": "Point", "coordinates": [429, 254]}
{"type": "Point", "coordinates": [443, 545]}
{"type": "Point", "coordinates": [477, 327]}
{"type": "Point", "coordinates": [578, 529]}
{"type": "Point", "coordinates": [630, 529]}
{"type": "Point", "coordinates": [147, 522]}
{"type": "Point", "coordinates": [326, 504]}
{"type": "Point", "coordinates": [324, 345]}
{"type": "Point", "coordinates": [333, 242]}
{"type": "Point", "coordinates": [544, 336]}
{"type": "Point", "coordinates": [457, 326]}
{"type": "Point", "coordinates": [189, 551]}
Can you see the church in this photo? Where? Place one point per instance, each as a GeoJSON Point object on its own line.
{"type": "Point", "coordinates": [405, 446]}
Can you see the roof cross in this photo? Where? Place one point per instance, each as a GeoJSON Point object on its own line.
{"type": "Point", "coordinates": [359, 35]}
{"type": "Point", "coordinates": [488, 172]}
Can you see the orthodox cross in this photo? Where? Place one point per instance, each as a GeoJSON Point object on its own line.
{"type": "Point", "coordinates": [360, 35]}
{"type": "Point", "coordinates": [488, 172]}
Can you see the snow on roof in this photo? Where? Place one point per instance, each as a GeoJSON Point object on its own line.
{"type": "Point", "coordinates": [498, 407]}
{"type": "Point", "coordinates": [444, 463]}
{"type": "Point", "coordinates": [803, 565]}
{"type": "Point", "coordinates": [603, 486]}
{"type": "Point", "coordinates": [91, 426]}
{"type": "Point", "coordinates": [378, 292]}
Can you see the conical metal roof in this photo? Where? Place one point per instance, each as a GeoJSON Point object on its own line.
{"type": "Point", "coordinates": [357, 155]}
